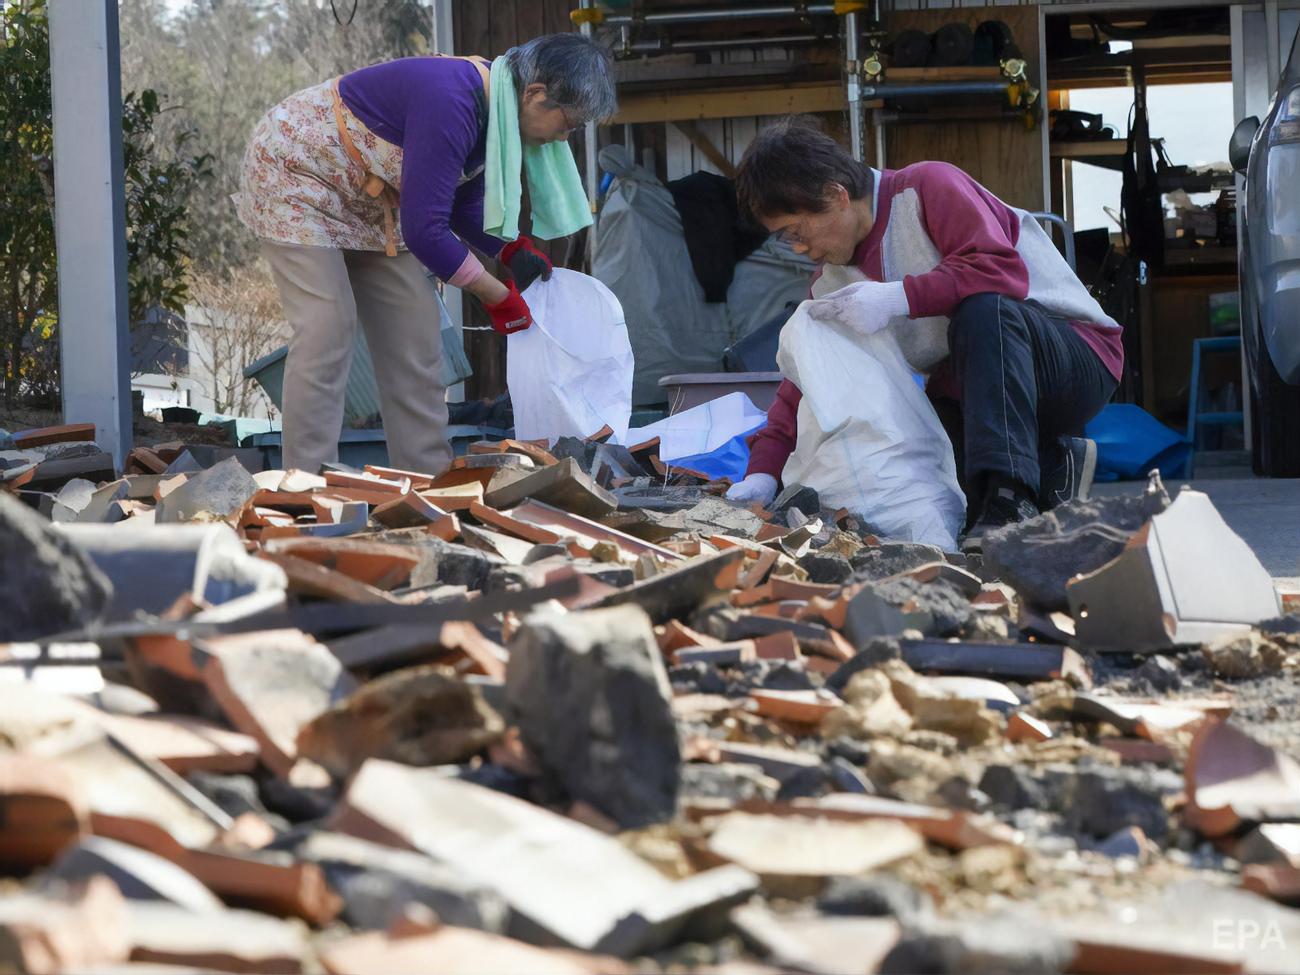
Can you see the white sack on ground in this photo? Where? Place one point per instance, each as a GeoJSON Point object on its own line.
{"type": "Point", "coordinates": [570, 373]}
{"type": "Point", "coordinates": [868, 438]}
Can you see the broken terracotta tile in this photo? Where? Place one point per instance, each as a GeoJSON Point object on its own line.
{"type": "Point", "coordinates": [584, 531]}
{"type": "Point", "coordinates": [42, 811]}
{"type": "Point", "coordinates": [506, 522]}
{"type": "Point", "coordinates": [818, 944]}
{"type": "Point", "coordinates": [809, 848]}
{"type": "Point", "coordinates": [778, 646]}
{"type": "Point", "coordinates": [78, 931]}
{"type": "Point", "coordinates": [457, 951]}
{"type": "Point", "coordinates": [44, 436]}
{"type": "Point", "coordinates": [272, 683]}
{"type": "Point", "coordinates": [684, 589]}
{"type": "Point", "coordinates": [1025, 727]}
{"type": "Point", "coordinates": [1150, 719]}
{"type": "Point", "coordinates": [184, 744]}
{"type": "Point", "coordinates": [487, 657]}
{"type": "Point", "coordinates": [800, 707]}
{"type": "Point", "coordinates": [580, 886]}
{"type": "Point", "coordinates": [1232, 779]}
{"type": "Point", "coordinates": [270, 881]}
{"type": "Point", "coordinates": [224, 941]}
{"type": "Point", "coordinates": [368, 482]}
{"type": "Point", "coordinates": [953, 828]}
{"type": "Point", "coordinates": [310, 578]}
{"type": "Point", "coordinates": [563, 485]}
{"type": "Point", "coordinates": [534, 450]}
{"type": "Point", "coordinates": [458, 498]}
{"type": "Point", "coordinates": [419, 480]}
{"type": "Point", "coordinates": [512, 550]}
{"type": "Point", "coordinates": [1184, 578]}
{"type": "Point", "coordinates": [137, 801]}
{"type": "Point", "coordinates": [376, 564]}
{"type": "Point", "coordinates": [676, 635]}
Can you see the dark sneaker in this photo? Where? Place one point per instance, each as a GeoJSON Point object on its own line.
{"type": "Point", "coordinates": [1068, 472]}
{"type": "Point", "coordinates": [1003, 508]}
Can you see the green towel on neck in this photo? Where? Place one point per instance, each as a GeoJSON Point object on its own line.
{"type": "Point", "coordinates": [559, 202]}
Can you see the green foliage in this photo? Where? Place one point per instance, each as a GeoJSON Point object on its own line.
{"type": "Point", "coordinates": [160, 177]}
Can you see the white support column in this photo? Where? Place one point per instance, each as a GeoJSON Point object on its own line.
{"type": "Point", "coordinates": [444, 42]}
{"type": "Point", "coordinates": [591, 173]}
{"type": "Point", "coordinates": [90, 220]}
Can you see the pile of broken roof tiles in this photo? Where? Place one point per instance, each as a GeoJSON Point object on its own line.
{"type": "Point", "coordinates": [564, 709]}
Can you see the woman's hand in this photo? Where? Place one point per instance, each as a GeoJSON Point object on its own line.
{"type": "Point", "coordinates": [526, 262]}
{"type": "Point", "coordinates": [511, 313]}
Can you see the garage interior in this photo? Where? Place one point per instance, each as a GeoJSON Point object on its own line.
{"type": "Point", "coordinates": [1007, 92]}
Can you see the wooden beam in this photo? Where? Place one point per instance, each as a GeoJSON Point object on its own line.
{"type": "Point", "coordinates": [703, 143]}
{"type": "Point", "coordinates": [738, 103]}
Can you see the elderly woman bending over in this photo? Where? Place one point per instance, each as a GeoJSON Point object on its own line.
{"type": "Point", "coordinates": [358, 184]}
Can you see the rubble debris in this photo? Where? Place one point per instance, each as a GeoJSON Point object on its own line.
{"type": "Point", "coordinates": [1040, 556]}
{"type": "Point", "coordinates": [49, 584]}
{"type": "Point", "coordinates": [590, 696]}
{"type": "Point", "coordinates": [1233, 779]}
{"type": "Point", "coordinates": [785, 850]}
{"type": "Point", "coordinates": [271, 685]}
{"type": "Point", "coordinates": [449, 719]}
{"type": "Point", "coordinates": [417, 716]}
{"type": "Point", "coordinates": [1184, 577]}
{"type": "Point", "coordinates": [1244, 655]}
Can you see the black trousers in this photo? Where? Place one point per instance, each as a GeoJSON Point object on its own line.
{"type": "Point", "coordinates": [1027, 379]}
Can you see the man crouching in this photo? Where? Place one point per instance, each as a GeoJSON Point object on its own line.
{"type": "Point", "coordinates": [1019, 356]}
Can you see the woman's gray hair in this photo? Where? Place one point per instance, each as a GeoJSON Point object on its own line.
{"type": "Point", "coordinates": [578, 74]}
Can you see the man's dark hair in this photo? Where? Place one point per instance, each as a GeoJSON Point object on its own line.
{"type": "Point", "coordinates": [790, 167]}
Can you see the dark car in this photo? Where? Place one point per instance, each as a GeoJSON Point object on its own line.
{"type": "Point", "coordinates": [1268, 156]}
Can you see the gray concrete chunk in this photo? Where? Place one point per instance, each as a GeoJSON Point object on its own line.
{"type": "Point", "coordinates": [592, 701]}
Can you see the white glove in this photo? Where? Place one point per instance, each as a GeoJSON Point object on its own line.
{"type": "Point", "coordinates": [756, 487]}
{"type": "Point", "coordinates": [865, 307]}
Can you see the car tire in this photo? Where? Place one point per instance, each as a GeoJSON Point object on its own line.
{"type": "Point", "coordinates": [1275, 422]}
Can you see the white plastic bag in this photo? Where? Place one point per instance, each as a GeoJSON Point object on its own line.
{"type": "Point", "coordinates": [570, 373]}
{"type": "Point", "coordinates": [868, 438]}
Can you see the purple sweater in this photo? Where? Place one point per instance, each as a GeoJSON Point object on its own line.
{"type": "Point", "coordinates": [435, 109]}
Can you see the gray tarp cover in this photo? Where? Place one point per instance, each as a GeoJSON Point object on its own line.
{"type": "Point", "coordinates": [641, 256]}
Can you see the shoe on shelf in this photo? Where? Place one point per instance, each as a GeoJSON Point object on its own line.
{"type": "Point", "coordinates": [1068, 473]}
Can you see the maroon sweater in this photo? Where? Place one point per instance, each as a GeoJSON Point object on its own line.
{"type": "Point", "coordinates": [979, 240]}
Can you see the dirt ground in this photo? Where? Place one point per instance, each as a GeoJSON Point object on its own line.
{"type": "Point", "coordinates": [147, 432]}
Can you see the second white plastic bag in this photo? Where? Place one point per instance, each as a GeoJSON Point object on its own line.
{"type": "Point", "coordinates": [570, 374]}
{"type": "Point", "coordinates": [868, 438]}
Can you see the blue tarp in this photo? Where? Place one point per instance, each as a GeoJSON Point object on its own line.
{"type": "Point", "coordinates": [729, 460]}
{"type": "Point", "coordinates": [1131, 442]}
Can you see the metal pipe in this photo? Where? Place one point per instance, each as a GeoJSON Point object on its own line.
{"type": "Point", "coordinates": [661, 45]}
{"type": "Point", "coordinates": [722, 13]}
{"type": "Point", "coordinates": [935, 88]}
{"type": "Point", "coordinates": [880, 143]}
{"type": "Point", "coordinates": [911, 118]}
{"type": "Point", "coordinates": [853, 84]}
{"type": "Point", "coordinates": [592, 176]}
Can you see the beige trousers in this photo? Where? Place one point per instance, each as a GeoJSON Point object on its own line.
{"type": "Point", "coordinates": [326, 292]}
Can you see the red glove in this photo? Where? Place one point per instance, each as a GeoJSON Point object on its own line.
{"type": "Point", "coordinates": [511, 313]}
{"type": "Point", "coordinates": [526, 262]}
